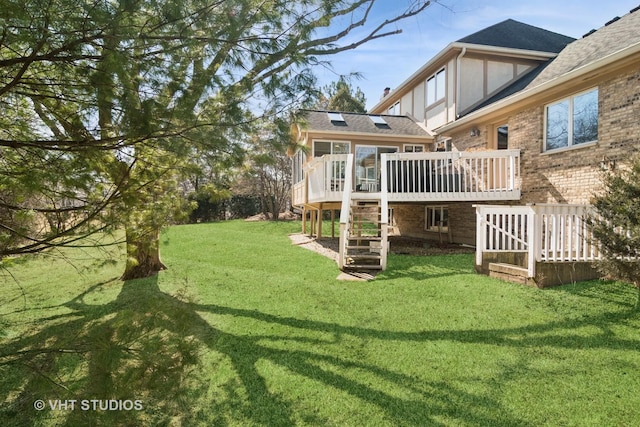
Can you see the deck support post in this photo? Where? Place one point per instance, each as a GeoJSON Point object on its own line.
{"type": "Point", "coordinates": [304, 220]}
{"type": "Point", "coordinates": [333, 223]}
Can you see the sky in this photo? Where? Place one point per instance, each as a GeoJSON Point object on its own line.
{"type": "Point", "coordinates": [387, 62]}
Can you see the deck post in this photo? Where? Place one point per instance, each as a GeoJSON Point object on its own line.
{"type": "Point", "coordinates": [533, 236]}
{"type": "Point", "coordinates": [480, 234]}
{"type": "Point", "coordinates": [320, 211]}
{"type": "Point", "coordinates": [333, 223]}
{"type": "Point", "coordinates": [304, 220]}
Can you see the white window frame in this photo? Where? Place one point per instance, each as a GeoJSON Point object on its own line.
{"type": "Point", "coordinates": [439, 78]}
{"type": "Point", "coordinates": [331, 141]}
{"type": "Point", "coordinates": [430, 218]}
{"type": "Point", "coordinates": [394, 110]}
{"type": "Point", "coordinates": [413, 148]}
{"type": "Point", "coordinates": [570, 137]}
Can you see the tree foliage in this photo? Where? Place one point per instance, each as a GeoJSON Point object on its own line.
{"type": "Point", "coordinates": [616, 224]}
{"type": "Point", "coordinates": [267, 173]}
{"type": "Point", "coordinates": [110, 101]}
{"type": "Point", "coordinates": [341, 96]}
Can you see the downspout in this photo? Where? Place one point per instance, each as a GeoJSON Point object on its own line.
{"type": "Point", "coordinates": [458, 84]}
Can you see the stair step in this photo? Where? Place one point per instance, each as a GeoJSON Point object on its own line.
{"type": "Point", "coordinates": [362, 267]}
{"type": "Point", "coordinates": [509, 272]}
{"type": "Point", "coordinates": [370, 238]}
{"type": "Point", "coordinates": [356, 247]}
{"type": "Point", "coordinates": [364, 257]}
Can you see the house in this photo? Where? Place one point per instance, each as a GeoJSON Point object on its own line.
{"type": "Point", "coordinates": [518, 124]}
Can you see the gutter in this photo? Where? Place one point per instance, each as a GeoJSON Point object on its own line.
{"type": "Point", "coordinates": [372, 136]}
{"type": "Point", "coordinates": [626, 52]}
{"type": "Point", "coordinates": [458, 82]}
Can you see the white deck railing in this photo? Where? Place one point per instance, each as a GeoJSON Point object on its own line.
{"type": "Point", "coordinates": [453, 176]}
{"type": "Point", "coordinates": [326, 178]}
{"type": "Point", "coordinates": [546, 232]}
{"type": "Point", "coordinates": [421, 177]}
{"type": "Point", "coordinates": [299, 196]}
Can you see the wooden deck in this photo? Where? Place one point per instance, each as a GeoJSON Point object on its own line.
{"type": "Point", "coordinates": [416, 177]}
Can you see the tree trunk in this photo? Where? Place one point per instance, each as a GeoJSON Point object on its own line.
{"type": "Point", "coordinates": [143, 254]}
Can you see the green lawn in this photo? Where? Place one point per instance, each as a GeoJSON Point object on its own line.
{"type": "Point", "coordinates": [246, 329]}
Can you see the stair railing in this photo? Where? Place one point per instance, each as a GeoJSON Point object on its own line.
{"type": "Point", "coordinates": [344, 212]}
{"type": "Point", "coordinates": [384, 212]}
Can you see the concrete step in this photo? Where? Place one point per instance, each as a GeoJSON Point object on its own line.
{"type": "Point", "coordinates": [509, 273]}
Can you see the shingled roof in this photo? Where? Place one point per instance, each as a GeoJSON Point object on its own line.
{"type": "Point", "coordinates": [517, 35]}
{"type": "Point", "coordinates": [319, 121]}
{"type": "Point", "coordinates": [616, 35]}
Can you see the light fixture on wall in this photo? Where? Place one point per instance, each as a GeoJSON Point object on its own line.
{"type": "Point", "coordinates": [607, 164]}
{"type": "Point", "coordinates": [474, 132]}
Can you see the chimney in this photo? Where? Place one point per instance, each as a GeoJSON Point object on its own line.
{"type": "Point", "coordinates": [386, 91]}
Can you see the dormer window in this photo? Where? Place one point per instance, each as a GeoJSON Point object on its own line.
{"type": "Point", "coordinates": [436, 87]}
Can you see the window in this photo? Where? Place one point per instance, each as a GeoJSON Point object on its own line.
{"type": "Point", "coordinates": [445, 145]}
{"type": "Point", "coordinates": [394, 110]}
{"type": "Point", "coordinates": [436, 218]}
{"type": "Point", "coordinates": [320, 148]}
{"type": "Point", "coordinates": [436, 87]}
{"type": "Point", "coordinates": [368, 165]}
{"type": "Point", "coordinates": [502, 137]}
{"type": "Point", "coordinates": [412, 148]}
{"type": "Point", "coordinates": [572, 121]}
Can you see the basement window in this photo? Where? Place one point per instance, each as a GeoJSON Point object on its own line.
{"type": "Point", "coordinates": [436, 218]}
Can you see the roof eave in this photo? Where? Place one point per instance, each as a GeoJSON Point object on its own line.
{"type": "Point", "coordinates": [372, 136]}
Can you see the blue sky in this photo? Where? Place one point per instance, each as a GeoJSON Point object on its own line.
{"type": "Point", "coordinates": [389, 61]}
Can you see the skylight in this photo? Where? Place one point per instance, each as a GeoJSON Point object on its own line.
{"type": "Point", "coordinates": [378, 121]}
{"type": "Point", "coordinates": [336, 118]}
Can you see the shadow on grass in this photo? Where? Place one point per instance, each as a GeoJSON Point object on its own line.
{"type": "Point", "coordinates": [148, 345]}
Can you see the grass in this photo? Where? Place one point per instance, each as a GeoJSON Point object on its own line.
{"type": "Point", "coordinates": [246, 329]}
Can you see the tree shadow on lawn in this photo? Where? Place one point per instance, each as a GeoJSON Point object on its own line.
{"type": "Point", "coordinates": [150, 346]}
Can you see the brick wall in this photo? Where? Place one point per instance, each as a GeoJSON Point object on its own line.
{"type": "Point", "coordinates": [410, 220]}
{"type": "Point", "coordinates": [573, 176]}
{"type": "Point", "coordinates": [570, 176]}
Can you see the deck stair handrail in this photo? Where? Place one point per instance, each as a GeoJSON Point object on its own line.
{"type": "Point", "coordinates": [363, 228]}
{"type": "Point", "coordinates": [344, 212]}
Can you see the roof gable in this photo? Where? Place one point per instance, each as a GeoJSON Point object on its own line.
{"type": "Point", "coordinates": [617, 42]}
{"type": "Point", "coordinates": [517, 35]}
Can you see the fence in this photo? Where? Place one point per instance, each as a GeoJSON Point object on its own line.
{"type": "Point", "coordinates": [545, 232]}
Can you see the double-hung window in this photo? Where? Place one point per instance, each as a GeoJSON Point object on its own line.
{"type": "Point", "coordinates": [572, 121]}
{"type": "Point", "coordinates": [436, 87]}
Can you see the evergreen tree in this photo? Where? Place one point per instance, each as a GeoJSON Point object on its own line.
{"type": "Point", "coordinates": [340, 96]}
{"type": "Point", "coordinates": [114, 99]}
{"type": "Point", "coordinates": [616, 224]}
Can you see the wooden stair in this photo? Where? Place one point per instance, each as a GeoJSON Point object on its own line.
{"type": "Point", "coordinates": [509, 273]}
{"type": "Point", "coordinates": [363, 250]}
